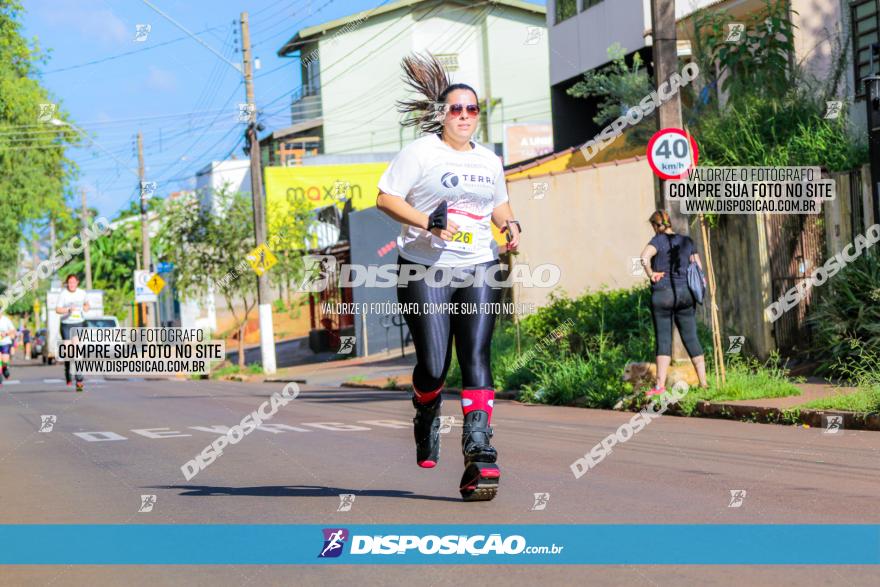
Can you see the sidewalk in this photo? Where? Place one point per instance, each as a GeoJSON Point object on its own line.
{"type": "Point", "coordinates": [785, 410]}
{"type": "Point", "coordinates": [391, 371]}
{"type": "Point", "coordinates": [372, 371]}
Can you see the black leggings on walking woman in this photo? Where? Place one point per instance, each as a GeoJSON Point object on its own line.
{"type": "Point", "coordinates": [433, 332]}
{"type": "Point", "coordinates": [675, 304]}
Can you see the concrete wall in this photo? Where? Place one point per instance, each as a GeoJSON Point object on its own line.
{"type": "Point", "coordinates": [590, 223]}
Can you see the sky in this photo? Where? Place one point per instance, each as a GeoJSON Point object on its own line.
{"type": "Point", "coordinates": [180, 94]}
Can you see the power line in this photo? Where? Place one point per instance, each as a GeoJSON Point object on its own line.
{"type": "Point", "coordinates": [190, 34]}
{"type": "Point", "coordinates": [125, 54]}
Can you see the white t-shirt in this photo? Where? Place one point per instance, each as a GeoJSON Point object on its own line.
{"type": "Point", "coordinates": [74, 299]}
{"type": "Point", "coordinates": [428, 171]}
{"type": "Point", "coordinates": [5, 326]}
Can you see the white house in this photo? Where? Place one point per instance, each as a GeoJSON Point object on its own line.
{"type": "Point", "coordinates": [351, 68]}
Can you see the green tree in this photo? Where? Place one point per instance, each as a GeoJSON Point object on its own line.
{"type": "Point", "coordinates": [113, 257]}
{"type": "Point", "coordinates": [34, 171]}
{"type": "Point", "coordinates": [287, 235]}
{"type": "Point", "coordinates": [619, 87]}
{"type": "Point", "coordinates": [212, 249]}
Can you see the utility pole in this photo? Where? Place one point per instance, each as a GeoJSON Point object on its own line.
{"type": "Point", "coordinates": [267, 334]}
{"type": "Point", "coordinates": [145, 228]}
{"type": "Point", "coordinates": [52, 238]}
{"type": "Point", "coordinates": [86, 252]}
{"type": "Point", "coordinates": [665, 53]}
{"type": "Point", "coordinates": [665, 56]}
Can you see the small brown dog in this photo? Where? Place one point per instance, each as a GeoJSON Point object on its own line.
{"type": "Point", "coordinates": [644, 375]}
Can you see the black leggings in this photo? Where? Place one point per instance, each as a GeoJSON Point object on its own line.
{"type": "Point", "coordinates": [65, 335]}
{"type": "Point", "coordinates": [432, 332]}
{"type": "Point", "coordinates": [675, 304]}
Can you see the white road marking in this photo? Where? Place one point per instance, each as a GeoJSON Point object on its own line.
{"type": "Point", "coordinates": [94, 436]}
{"type": "Point", "coordinates": [158, 432]}
{"type": "Point", "coordinates": [335, 426]}
{"type": "Point", "coordinates": [279, 428]}
{"type": "Point", "coordinates": [215, 429]}
{"type": "Point", "coordinates": [11, 382]}
{"type": "Point", "coordinates": [388, 423]}
{"type": "Point", "coordinates": [272, 427]}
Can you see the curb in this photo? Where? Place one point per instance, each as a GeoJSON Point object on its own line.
{"type": "Point", "coordinates": [722, 411]}
{"type": "Point", "coordinates": [812, 418]}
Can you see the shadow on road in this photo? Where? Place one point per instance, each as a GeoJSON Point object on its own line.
{"type": "Point", "coordinates": [297, 491]}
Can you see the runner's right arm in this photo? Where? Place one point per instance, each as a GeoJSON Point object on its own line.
{"type": "Point", "coordinates": [400, 210]}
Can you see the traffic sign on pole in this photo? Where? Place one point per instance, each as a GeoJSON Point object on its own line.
{"type": "Point", "coordinates": [672, 153]}
{"type": "Point", "coordinates": [142, 291]}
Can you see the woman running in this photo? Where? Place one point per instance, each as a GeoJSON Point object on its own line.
{"type": "Point", "coordinates": [445, 189]}
{"type": "Point", "coordinates": [665, 259]}
{"type": "Point", "coordinates": [7, 335]}
{"type": "Point", "coordinates": [72, 305]}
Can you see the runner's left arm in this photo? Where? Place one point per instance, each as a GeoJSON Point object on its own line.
{"type": "Point", "coordinates": [500, 215]}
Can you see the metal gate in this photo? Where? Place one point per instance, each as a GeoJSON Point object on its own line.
{"type": "Point", "coordinates": [795, 245]}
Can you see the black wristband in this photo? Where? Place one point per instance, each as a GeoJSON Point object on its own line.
{"type": "Point", "coordinates": [507, 226]}
{"type": "Point", "coordinates": [437, 218]}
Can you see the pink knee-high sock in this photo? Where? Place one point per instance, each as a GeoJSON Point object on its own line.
{"type": "Point", "coordinates": [426, 397]}
{"type": "Point", "coordinates": [478, 399]}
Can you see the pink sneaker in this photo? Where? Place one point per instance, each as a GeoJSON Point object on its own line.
{"type": "Point", "coordinates": [655, 391]}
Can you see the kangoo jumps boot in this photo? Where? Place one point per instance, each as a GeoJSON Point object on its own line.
{"type": "Point", "coordinates": [481, 473]}
{"type": "Point", "coordinates": [426, 428]}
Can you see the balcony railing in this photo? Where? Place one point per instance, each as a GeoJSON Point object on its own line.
{"type": "Point", "coordinates": [305, 104]}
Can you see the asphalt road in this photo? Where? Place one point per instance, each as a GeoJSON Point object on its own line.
{"type": "Point", "coordinates": [123, 439]}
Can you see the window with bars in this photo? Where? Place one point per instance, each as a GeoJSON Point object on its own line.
{"type": "Point", "coordinates": [864, 14]}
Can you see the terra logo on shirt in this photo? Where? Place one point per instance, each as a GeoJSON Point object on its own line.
{"type": "Point", "coordinates": [449, 180]}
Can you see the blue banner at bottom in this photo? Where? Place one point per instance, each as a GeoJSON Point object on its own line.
{"type": "Point", "coordinates": [694, 544]}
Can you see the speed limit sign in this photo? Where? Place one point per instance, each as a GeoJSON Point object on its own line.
{"type": "Point", "coordinates": [672, 152]}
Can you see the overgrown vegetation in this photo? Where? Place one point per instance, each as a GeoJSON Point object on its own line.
{"type": "Point", "coordinates": [861, 368]}
{"type": "Point", "coordinates": [230, 369]}
{"type": "Point", "coordinates": [753, 104]}
{"type": "Point", "coordinates": [845, 320]}
{"type": "Point", "coordinates": [747, 378]}
{"type": "Point", "coordinates": [600, 333]}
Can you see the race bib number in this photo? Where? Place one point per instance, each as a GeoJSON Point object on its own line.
{"type": "Point", "coordinates": [75, 314]}
{"type": "Point", "coordinates": [465, 240]}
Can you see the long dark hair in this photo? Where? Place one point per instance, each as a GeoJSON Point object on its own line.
{"type": "Point", "coordinates": [428, 77]}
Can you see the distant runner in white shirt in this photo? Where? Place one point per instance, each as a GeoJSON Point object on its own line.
{"type": "Point", "coordinates": [7, 332]}
{"type": "Point", "coordinates": [72, 306]}
{"type": "Point", "coordinates": [447, 191]}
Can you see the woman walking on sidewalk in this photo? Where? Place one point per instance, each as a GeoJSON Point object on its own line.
{"type": "Point", "coordinates": [445, 190]}
{"type": "Point", "coordinates": [665, 260]}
